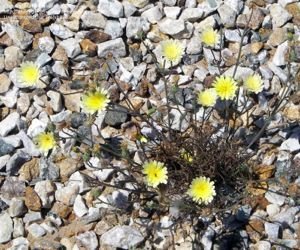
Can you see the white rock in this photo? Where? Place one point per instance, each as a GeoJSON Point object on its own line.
{"type": "Point", "coordinates": [113, 28]}
{"type": "Point", "coordinates": [140, 3]}
{"type": "Point", "coordinates": [169, 2]}
{"type": "Point", "coordinates": [55, 100]}
{"type": "Point", "coordinates": [278, 71]}
{"type": "Point", "coordinates": [122, 237]}
{"type": "Point", "coordinates": [201, 73]}
{"type": "Point", "coordinates": [20, 37]}
{"type": "Point", "coordinates": [46, 44]}
{"type": "Point", "coordinates": [13, 57]}
{"type": "Point", "coordinates": [3, 160]}
{"type": "Point", "coordinates": [88, 240]}
{"type": "Point", "coordinates": [32, 217]}
{"type": "Point", "coordinates": [172, 12]}
{"type": "Point", "coordinates": [292, 144]}
{"type": "Point", "coordinates": [42, 5]}
{"type": "Point", "coordinates": [279, 58]}
{"type": "Point", "coordinates": [283, 3]}
{"type": "Point", "coordinates": [194, 46]}
{"type": "Point", "coordinates": [78, 180]}
{"type": "Point", "coordinates": [129, 8]}
{"type": "Point", "coordinates": [10, 97]}
{"type": "Point", "coordinates": [207, 238]}
{"type": "Point", "coordinates": [29, 146]}
{"type": "Point", "coordinates": [60, 31]}
{"type": "Point", "coordinates": [36, 230]}
{"type": "Point", "coordinates": [153, 14]}
{"type": "Point", "coordinates": [111, 8]}
{"type": "Point", "coordinates": [36, 128]}
{"type": "Point", "coordinates": [228, 15]}
{"type": "Point", "coordinates": [286, 216]}
{"type": "Point", "coordinates": [93, 20]}
{"type": "Point", "coordinates": [273, 196]}
{"type": "Point", "coordinates": [279, 15]}
{"type": "Point", "coordinates": [103, 174]}
{"type": "Point", "coordinates": [20, 243]}
{"type": "Point", "coordinates": [60, 69]}
{"type": "Point", "coordinates": [263, 245]}
{"type": "Point", "coordinates": [170, 26]}
{"type": "Point", "coordinates": [273, 209]}
{"type": "Point", "coordinates": [5, 7]}
{"type": "Point", "coordinates": [191, 14]}
{"type": "Point", "coordinates": [136, 25]}
{"type": "Point", "coordinates": [67, 194]}
{"type": "Point", "coordinates": [71, 47]}
{"type": "Point", "coordinates": [241, 73]}
{"type": "Point", "coordinates": [116, 47]}
{"type": "Point", "coordinates": [6, 228]}
{"type": "Point", "coordinates": [79, 207]}
{"type": "Point", "coordinates": [190, 3]}
{"type": "Point", "coordinates": [19, 229]}
{"type": "Point", "coordinates": [272, 230]}
{"type": "Point", "coordinates": [55, 10]}
{"type": "Point", "coordinates": [9, 123]}
{"type": "Point", "coordinates": [45, 190]}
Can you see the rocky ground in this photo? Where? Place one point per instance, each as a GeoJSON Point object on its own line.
{"type": "Point", "coordinates": [48, 203]}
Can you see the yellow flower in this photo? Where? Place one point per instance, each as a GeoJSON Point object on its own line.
{"type": "Point", "coordinates": [253, 83]}
{"type": "Point", "coordinates": [225, 87]}
{"type": "Point", "coordinates": [28, 74]}
{"type": "Point", "coordinates": [156, 173]}
{"type": "Point", "coordinates": [210, 37]}
{"type": "Point", "coordinates": [95, 101]}
{"type": "Point", "coordinates": [45, 141]}
{"type": "Point", "coordinates": [172, 51]}
{"type": "Point", "coordinates": [207, 98]}
{"type": "Point", "coordinates": [186, 156]}
{"type": "Point", "coordinates": [202, 190]}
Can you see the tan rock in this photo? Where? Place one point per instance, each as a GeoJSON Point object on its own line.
{"type": "Point", "coordinates": [292, 112]}
{"type": "Point", "coordinates": [5, 83]}
{"type": "Point", "coordinates": [277, 37]}
{"type": "Point", "coordinates": [6, 40]}
{"type": "Point", "coordinates": [30, 170]}
{"type": "Point", "coordinates": [255, 229]}
{"type": "Point", "coordinates": [61, 210]}
{"type": "Point", "coordinates": [264, 171]}
{"type": "Point", "coordinates": [294, 10]}
{"type": "Point", "coordinates": [60, 54]}
{"type": "Point", "coordinates": [32, 200]}
{"type": "Point", "coordinates": [88, 47]}
{"type": "Point", "coordinates": [31, 25]}
{"type": "Point", "coordinates": [67, 167]}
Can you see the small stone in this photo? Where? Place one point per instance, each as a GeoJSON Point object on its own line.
{"type": "Point", "coordinates": [16, 207]}
{"type": "Point", "coordinates": [21, 38]}
{"type": "Point", "coordinates": [29, 146]}
{"type": "Point", "coordinates": [191, 14]}
{"type": "Point", "coordinates": [273, 209]}
{"type": "Point", "coordinates": [115, 47]}
{"type": "Point", "coordinates": [36, 230]}
{"type": "Point", "coordinates": [55, 100]}
{"type": "Point", "coordinates": [60, 69]}
{"type": "Point", "coordinates": [61, 210]}
{"type": "Point", "coordinates": [272, 230]}
{"type": "Point", "coordinates": [79, 180]}
{"type": "Point", "coordinates": [67, 167]}
{"type": "Point", "coordinates": [135, 25]}
{"type": "Point", "coordinates": [16, 161]}
{"type": "Point", "coordinates": [5, 148]}
{"type": "Point", "coordinates": [60, 31]}
{"type": "Point", "coordinates": [45, 190]}
{"type": "Point", "coordinates": [255, 229]}
{"type": "Point", "coordinates": [88, 240]}
{"type": "Point", "coordinates": [13, 57]}
{"type": "Point", "coordinates": [111, 8]}
{"type": "Point", "coordinates": [47, 244]}
{"type": "Point", "coordinates": [279, 72]}
{"type": "Point", "coordinates": [12, 187]}
{"type": "Point", "coordinates": [48, 170]}
{"type": "Point", "coordinates": [116, 117]}
{"type": "Point", "coordinates": [6, 228]}
{"type": "Point", "coordinates": [88, 47]}
{"type": "Point", "coordinates": [262, 245]}
{"type": "Point", "coordinates": [46, 44]}
{"type": "Point", "coordinates": [71, 47]}
{"type": "Point", "coordinates": [5, 83]}
{"type": "Point", "coordinates": [6, 7]}
{"type": "Point", "coordinates": [170, 26]}
{"type": "Point", "coordinates": [42, 5]}
{"type": "Point", "coordinates": [278, 36]}
{"type": "Point", "coordinates": [172, 12]}
{"type": "Point", "coordinates": [292, 144]}
{"type": "Point", "coordinates": [228, 15]}
{"type": "Point", "coordinates": [122, 237]}
{"type": "Point", "coordinates": [60, 54]}
{"type": "Point", "coordinates": [67, 194]}
{"type": "Point", "coordinates": [31, 25]}
{"type": "Point", "coordinates": [114, 29]}
{"type": "Point", "coordinates": [19, 229]}
{"type": "Point", "coordinates": [292, 112]}
{"type": "Point", "coordinates": [97, 36]}
{"type": "Point", "coordinates": [286, 216]}
{"type": "Point", "coordinates": [280, 56]}
{"type": "Point", "coordinates": [273, 196]}
{"type": "Point", "coordinates": [279, 15]}
{"type": "Point", "coordinates": [32, 200]}
{"type": "Point", "coordinates": [93, 20]}
{"type": "Point", "coordinates": [32, 217]}
{"type": "Point", "coordinates": [79, 207]}
{"type": "Point", "coordinates": [153, 14]}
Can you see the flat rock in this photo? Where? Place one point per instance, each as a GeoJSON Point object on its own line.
{"type": "Point", "coordinates": [291, 144]}
{"type": "Point", "coordinates": [20, 37]}
{"type": "Point", "coordinates": [135, 25]}
{"type": "Point", "coordinates": [6, 228]}
{"type": "Point", "coordinates": [122, 237]}
{"type": "Point", "coordinates": [71, 47]}
{"type": "Point", "coordinates": [273, 196]}
{"type": "Point", "coordinates": [286, 216]}
{"type": "Point", "coordinates": [60, 31]}
{"type": "Point", "coordinates": [93, 20]}
{"type": "Point", "coordinates": [113, 28]}
{"type": "Point", "coordinates": [36, 230]}
{"type": "Point", "coordinates": [111, 8]}
{"type": "Point", "coordinates": [170, 26]}
{"type": "Point", "coordinates": [153, 14]}
{"type": "Point", "coordinates": [191, 14]}
{"type": "Point", "coordinates": [279, 15]}
{"type": "Point", "coordinates": [115, 47]}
